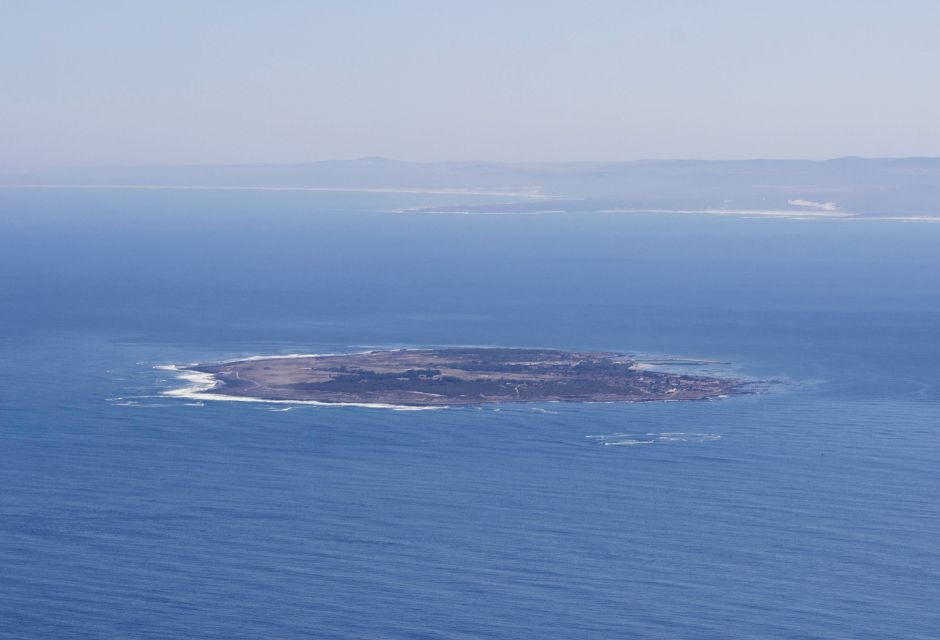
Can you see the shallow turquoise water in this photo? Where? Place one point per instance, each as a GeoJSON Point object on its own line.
{"type": "Point", "coordinates": [809, 512]}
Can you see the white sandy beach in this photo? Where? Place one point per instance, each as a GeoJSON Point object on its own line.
{"type": "Point", "coordinates": [200, 383]}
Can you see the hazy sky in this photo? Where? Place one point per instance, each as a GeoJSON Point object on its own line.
{"type": "Point", "coordinates": [134, 82]}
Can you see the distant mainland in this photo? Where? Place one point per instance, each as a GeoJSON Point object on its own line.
{"type": "Point", "coordinates": [848, 188]}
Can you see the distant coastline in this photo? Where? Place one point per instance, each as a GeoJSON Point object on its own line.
{"type": "Point", "coordinates": [849, 188]}
{"type": "Point", "coordinates": [459, 191]}
{"type": "Point", "coordinates": [782, 214]}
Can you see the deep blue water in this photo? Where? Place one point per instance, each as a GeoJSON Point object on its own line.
{"type": "Point", "coordinates": [808, 512]}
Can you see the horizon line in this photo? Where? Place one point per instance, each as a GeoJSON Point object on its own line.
{"type": "Point", "coordinates": [385, 159]}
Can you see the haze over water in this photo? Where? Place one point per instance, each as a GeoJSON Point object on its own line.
{"type": "Point", "coordinates": [806, 512]}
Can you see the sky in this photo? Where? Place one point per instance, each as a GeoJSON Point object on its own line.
{"type": "Point", "coordinates": [135, 82]}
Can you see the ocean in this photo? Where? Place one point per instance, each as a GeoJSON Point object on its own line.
{"type": "Point", "coordinates": [808, 511]}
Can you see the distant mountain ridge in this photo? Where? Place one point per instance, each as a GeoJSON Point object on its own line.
{"type": "Point", "coordinates": [872, 186]}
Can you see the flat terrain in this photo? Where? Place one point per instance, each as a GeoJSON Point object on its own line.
{"type": "Point", "coordinates": [903, 188]}
{"type": "Point", "coordinates": [441, 377]}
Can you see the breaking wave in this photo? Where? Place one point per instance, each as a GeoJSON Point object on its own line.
{"type": "Point", "coordinates": [662, 437]}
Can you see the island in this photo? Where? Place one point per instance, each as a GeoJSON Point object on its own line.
{"type": "Point", "coordinates": [458, 376]}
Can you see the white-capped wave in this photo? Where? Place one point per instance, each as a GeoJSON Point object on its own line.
{"type": "Point", "coordinates": [626, 443]}
{"type": "Point", "coordinates": [654, 437]}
